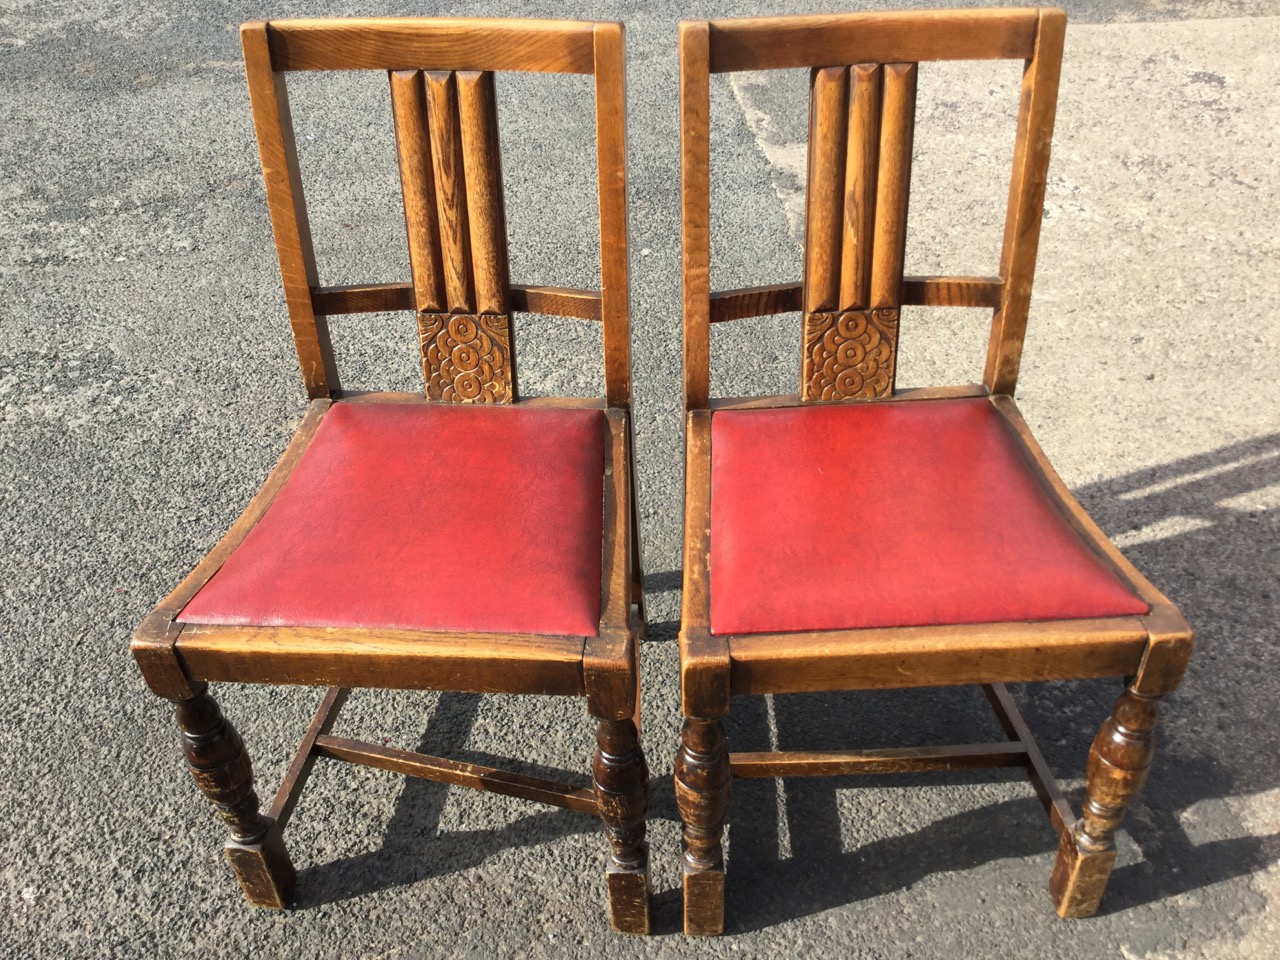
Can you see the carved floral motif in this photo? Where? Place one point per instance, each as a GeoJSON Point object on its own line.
{"type": "Point", "coordinates": [466, 358]}
{"type": "Point", "coordinates": [849, 355]}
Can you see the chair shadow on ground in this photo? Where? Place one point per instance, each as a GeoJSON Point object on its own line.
{"type": "Point", "coordinates": [1222, 561]}
{"type": "Point", "coordinates": [414, 847]}
{"type": "Point", "coordinates": [766, 887]}
{"type": "Point", "coordinates": [1219, 567]}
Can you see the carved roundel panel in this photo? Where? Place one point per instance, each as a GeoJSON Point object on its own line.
{"type": "Point", "coordinates": [849, 355]}
{"type": "Point", "coordinates": [466, 358]}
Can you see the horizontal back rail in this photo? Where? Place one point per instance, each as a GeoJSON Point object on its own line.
{"type": "Point", "coordinates": [390, 297]}
{"type": "Point", "coordinates": [395, 43]}
{"type": "Point", "coordinates": [916, 292]}
{"type": "Point", "coordinates": [778, 43]}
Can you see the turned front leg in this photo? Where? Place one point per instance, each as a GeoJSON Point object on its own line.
{"type": "Point", "coordinates": [702, 795]}
{"type": "Point", "coordinates": [220, 765]}
{"type": "Point", "coordinates": [621, 779]}
{"type": "Point", "coordinates": [1118, 763]}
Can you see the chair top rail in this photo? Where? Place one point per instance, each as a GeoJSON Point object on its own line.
{"type": "Point", "coordinates": [412, 43]}
{"type": "Point", "coordinates": [775, 43]}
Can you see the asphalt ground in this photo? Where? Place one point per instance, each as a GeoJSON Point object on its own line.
{"type": "Point", "coordinates": [148, 383]}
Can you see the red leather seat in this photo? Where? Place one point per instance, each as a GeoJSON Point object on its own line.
{"type": "Point", "coordinates": [890, 515]}
{"type": "Point", "coordinates": [428, 517]}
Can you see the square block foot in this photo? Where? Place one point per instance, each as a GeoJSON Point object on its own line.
{"type": "Point", "coordinates": [264, 870]}
{"type": "Point", "coordinates": [703, 902]}
{"type": "Point", "coordinates": [628, 899]}
{"type": "Point", "coordinates": [1079, 878]}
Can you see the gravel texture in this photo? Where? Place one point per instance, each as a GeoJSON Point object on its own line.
{"type": "Point", "coordinates": [147, 384]}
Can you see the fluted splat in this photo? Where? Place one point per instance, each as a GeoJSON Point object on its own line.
{"type": "Point", "coordinates": [861, 123]}
{"type": "Point", "coordinates": [451, 178]}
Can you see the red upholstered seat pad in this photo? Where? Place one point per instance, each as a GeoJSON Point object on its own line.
{"type": "Point", "coordinates": [428, 517]}
{"type": "Point", "coordinates": [889, 515]}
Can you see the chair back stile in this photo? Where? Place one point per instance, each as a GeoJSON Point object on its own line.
{"type": "Point", "coordinates": [442, 89]}
{"type": "Point", "coordinates": [863, 74]}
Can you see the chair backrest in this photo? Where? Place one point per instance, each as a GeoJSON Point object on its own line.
{"type": "Point", "coordinates": [861, 123]}
{"type": "Point", "coordinates": [442, 91]}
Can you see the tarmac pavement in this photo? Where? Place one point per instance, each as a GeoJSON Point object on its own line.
{"type": "Point", "coordinates": [148, 383]}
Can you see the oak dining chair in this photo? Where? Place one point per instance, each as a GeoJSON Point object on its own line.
{"type": "Point", "coordinates": [855, 536]}
{"type": "Point", "coordinates": [473, 541]}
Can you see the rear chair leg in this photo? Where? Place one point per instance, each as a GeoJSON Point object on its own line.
{"type": "Point", "coordinates": [1118, 765]}
{"type": "Point", "coordinates": [621, 780]}
{"type": "Point", "coordinates": [220, 765]}
{"type": "Point", "coordinates": [702, 794]}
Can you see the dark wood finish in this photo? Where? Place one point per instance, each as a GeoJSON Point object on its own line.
{"type": "Point", "coordinates": [1020, 750]}
{"type": "Point", "coordinates": [755, 302]}
{"type": "Point", "coordinates": [1118, 763]}
{"type": "Point", "coordinates": [445, 117]}
{"type": "Point", "coordinates": [386, 659]}
{"type": "Point", "coordinates": [861, 128]}
{"type": "Point", "coordinates": [561, 403]}
{"type": "Point", "coordinates": [704, 657]}
{"type": "Point", "coordinates": [295, 777]}
{"type": "Point", "coordinates": [363, 298]}
{"type": "Point", "coordinates": [621, 780]}
{"type": "Point", "coordinates": [894, 657]}
{"type": "Point", "coordinates": [1169, 647]}
{"type": "Point", "coordinates": [852, 295]}
{"type": "Point", "coordinates": [1042, 778]}
{"type": "Point", "coordinates": [702, 778]}
{"type": "Point", "coordinates": [417, 184]}
{"type": "Point", "coordinates": [609, 659]}
{"type": "Point", "coordinates": [611, 169]}
{"type": "Point", "coordinates": [952, 291]}
{"type": "Point", "coordinates": [866, 88]}
{"type": "Point", "coordinates": [467, 358]}
{"type": "Point", "coordinates": [557, 301]}
{"type": "Point", "coordinates": [836, 763]}
{"type": "Point", "coordinates": [220, 766]}
{"type": "Point", "coordinates": [471, 775]}
{"type": "Point", "coordinates": [793, 399]}
{"type": "Point", "coordinates": [1026, 201]}
{"type": "Point", "coordinates": [824, 193]}
{"type": "Point", "coordinates": [725, 305]}
{"type": "Point", "coordinates": [389, 297]}
{"type": "Point", "coordinates": [916, 292]}
{"type": "Point", "coordinates": [407, 43]}
{"type": "Point", "coordinates": [702, 771]}
{"type": "Point", "coordinates": [273, 124]}
{"type": "Point", "coordinates": [154, 648]}
{"type": "Point", "coordinates": [772, 43]}
{"type": "Point", "coordinates": [695, 209]}
{"type": "Point", "coordinates": [478, 114]}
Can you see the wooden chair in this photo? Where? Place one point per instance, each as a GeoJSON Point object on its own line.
{"type": "Point", "coordinates": [472, 542]}
{"type": "Point", "coordinates": [853, 537]}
